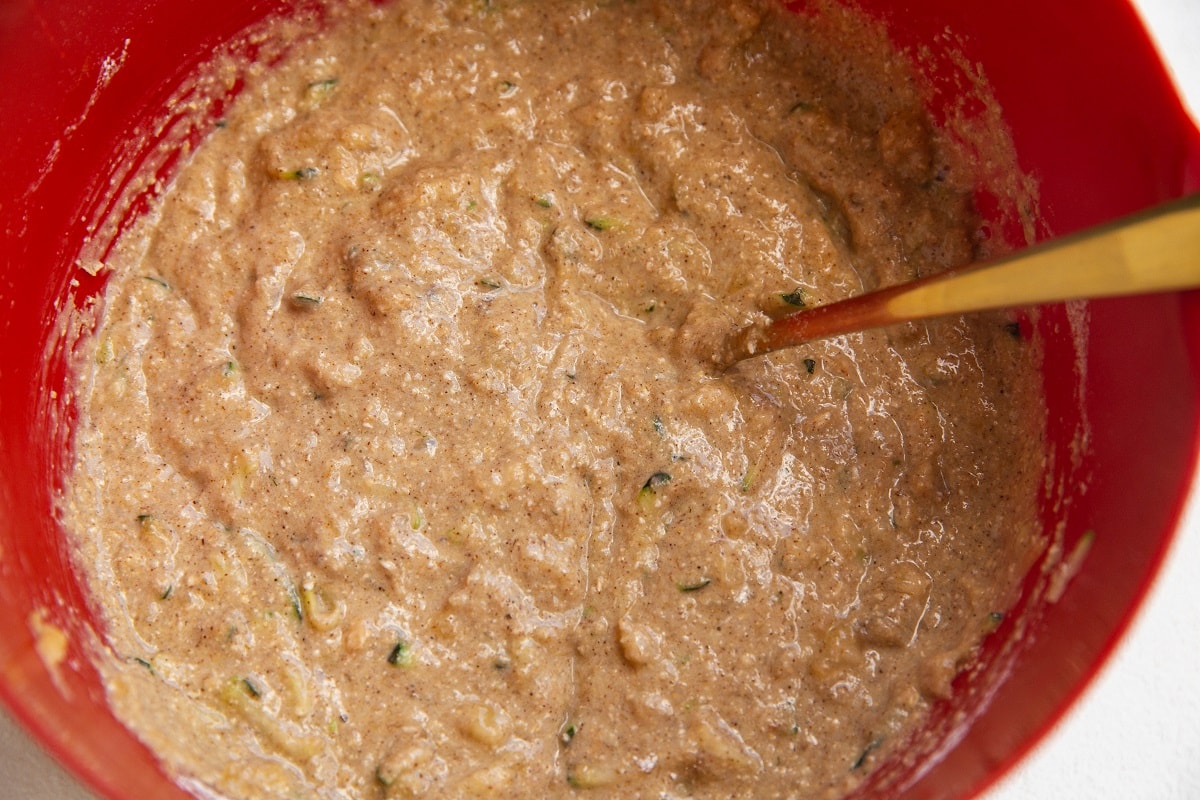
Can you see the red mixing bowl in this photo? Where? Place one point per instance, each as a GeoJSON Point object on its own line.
{"type": "Point", "coordinates": [85, 87]}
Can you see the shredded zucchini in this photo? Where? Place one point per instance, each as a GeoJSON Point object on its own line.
{"type": "Point", "coordinates": [307, 299]}
{"type": "Point", "coordinates": [603, 223]}
{"type": "Point", "coordinates": [401, 655]}
{"type": "Point", "coordinates": [648, 495]}
{"type": "Point", "coordinates": [299, 174]}
{"type": "Point", "coordinates": [795, 298]}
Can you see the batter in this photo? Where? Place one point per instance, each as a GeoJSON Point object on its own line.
{"type": "Point", "coordinates": [404, 469]}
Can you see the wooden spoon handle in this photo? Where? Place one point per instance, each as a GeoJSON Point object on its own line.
{"type": "Point", "coordinates": [1154, 251]}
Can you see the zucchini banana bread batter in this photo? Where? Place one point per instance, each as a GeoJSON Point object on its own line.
{"type": "Point", "coordinates": [404, 469]}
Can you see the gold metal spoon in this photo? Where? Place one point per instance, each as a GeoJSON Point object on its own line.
{"type": "Point", "coordinates": [1154, 251]}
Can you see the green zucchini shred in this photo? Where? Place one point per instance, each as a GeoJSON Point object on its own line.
{"type": "Point", "coordinates": [795, 298]}
{"type": "Point", "coordinates": [322, 86]}
{"type": "Point", "coordinates": [862, 759]}
{"type": "Point", "coordinates": [656, 480]}
{"type": "Point", "coordinates": [647, 497]}
{"type": "Point", "coordinates": [369, 181]}
{"type": "Point", "coordinates": [307, 299]}
{"type": "Point", "coordinates": [299, 174]}
{"type": "Point", "coordinates": [317, 93]}
{"type": "Point", "coordinates": [603, 223]}
{"type": "Point", "coordinates": [105, 353]}
{"type": "Point", "coordinates": [294, 601]}
{"type": "Point", "coordinates": [401, 655]}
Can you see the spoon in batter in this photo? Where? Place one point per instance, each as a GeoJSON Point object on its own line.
{"type": "Point", "coordinates": [1154, 251]}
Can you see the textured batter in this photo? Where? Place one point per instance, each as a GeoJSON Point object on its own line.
{"type": "Point", "coordinates": [403, 470]}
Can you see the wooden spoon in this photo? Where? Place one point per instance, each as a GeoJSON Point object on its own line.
{"type": "Point", "coordinates": [1154, 251]}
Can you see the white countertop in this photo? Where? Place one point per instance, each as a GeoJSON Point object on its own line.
{"type": "Point", "coordinates": [1135, 735]}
